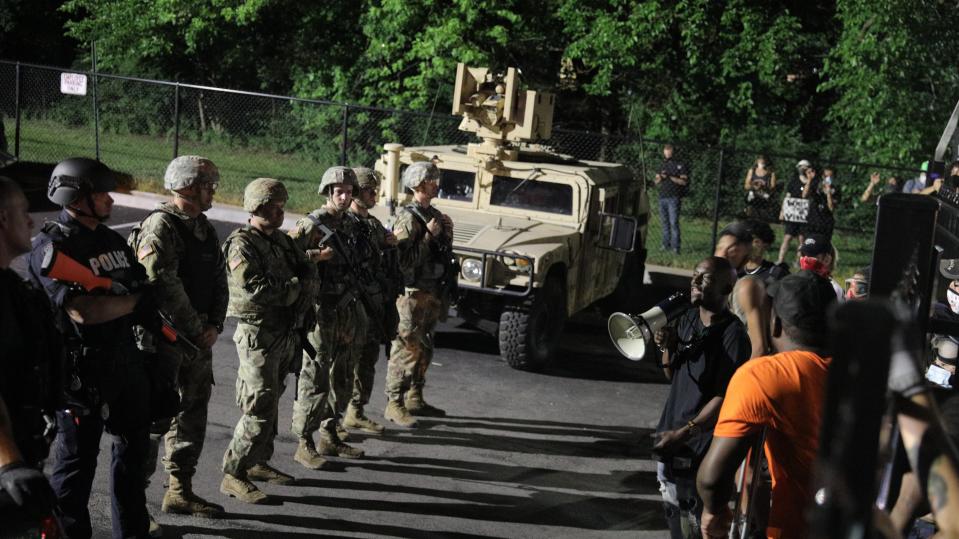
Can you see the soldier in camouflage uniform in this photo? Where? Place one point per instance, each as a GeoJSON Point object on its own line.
{"type": "Point", "coordinates": [423, 234]}
{"type": "Point", "coordinates": [325, 382]}
{"type": "Point", "coordinates": [272, 290]}
{"type": "Point", "coordinates": [181, 253]}
{"type": "Point", "coordinates": [379, 248]}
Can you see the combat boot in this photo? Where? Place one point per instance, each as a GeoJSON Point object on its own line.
{"type": "Point", "coordinates": [418, 406]}
{"type": "Point", "coordinates": [242, 489]}
{"type": "Point", "coordinates": [330, 445]}
{"type": "Point", "coordinates": [269, 474]}
{"type": "Point", "coordinates": [342, 433]}
{"type": "Point", "coordinates": [356, 419]}
{"type": "Point", "coordinates": [397, 413]}
{"type": "Point", "coordinates": [181, 500]}
{"type": "Point", "coordinates": [307, 456]}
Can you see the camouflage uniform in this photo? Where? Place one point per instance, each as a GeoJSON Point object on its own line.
{"type": "Point", "coordinates": [160, 249]}
{"type": "Point", "coordinates": [420, 306]}
{"type": "Point", "coordinates": [325, 383]}
{"type": "Point", "coordinates": [382, 287]}
{"type": "Point", "coordinates": [272, 287]}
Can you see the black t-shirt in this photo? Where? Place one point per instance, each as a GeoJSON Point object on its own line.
{"type": "Point", "coordinates": [702, 372]}
{"type": "Point", "coordinates": [820, 216]}
{"type": "Point", "coordinates": [30, 363]}
{"type": "Point", "coordinates": [667, 187]}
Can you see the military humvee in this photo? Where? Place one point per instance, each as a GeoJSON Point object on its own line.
{"type": "Point", "coordinates": [539, 236]}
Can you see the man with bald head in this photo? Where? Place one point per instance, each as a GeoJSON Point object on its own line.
{"type": "Point", "coordinates": [699, 357]}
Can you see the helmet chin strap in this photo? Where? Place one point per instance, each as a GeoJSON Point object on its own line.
{"type": "Point", "coordinates": [92, 213]}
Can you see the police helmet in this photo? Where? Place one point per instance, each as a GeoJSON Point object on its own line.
{"type": "Point", "coordinates": [188, 170]}
{"type": "Point", "coordinates": [367, 178]}
{"type": "Point", "coordinates": [262, 191]}
{"type": "Point", "coordinates": [77, 177]}
{"type": "Point", "coordinates": [335, 175]}
{"type": "Point", "coordinates": [418, 173]}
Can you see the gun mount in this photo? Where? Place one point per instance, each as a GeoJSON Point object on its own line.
{"type": "Point", "coordinates": [494, 108]}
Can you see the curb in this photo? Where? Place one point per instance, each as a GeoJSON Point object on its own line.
{"type": "Point", "coordinates": [144, 200]}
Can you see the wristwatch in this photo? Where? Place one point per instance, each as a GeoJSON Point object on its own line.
{"type": "Point", "coordinates": [692, 427]}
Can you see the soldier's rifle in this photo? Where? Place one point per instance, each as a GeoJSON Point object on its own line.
{"type": "Point", "coordinates": [62, 267]}
{"type": "Point", "coordinates": [336, 242]}
{"type": "Point", "coordinates": [444, 249]}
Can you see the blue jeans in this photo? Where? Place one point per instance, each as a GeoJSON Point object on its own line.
{"type": "Point", "coordinates": [669, 208]}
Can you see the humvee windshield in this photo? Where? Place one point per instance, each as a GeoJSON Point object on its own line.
{"type": "Point", "coordinates": [532, 195]}
{"type": "Point", "coordinates": [457, 185]}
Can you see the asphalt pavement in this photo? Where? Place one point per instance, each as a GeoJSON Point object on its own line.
{"type": "Point", "coordinates": [561, 453]}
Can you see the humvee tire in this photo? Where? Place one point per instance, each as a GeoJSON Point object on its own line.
{"type": "Point", "coordinates": [529, 333]}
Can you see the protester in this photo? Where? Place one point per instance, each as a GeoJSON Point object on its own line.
{"type": "Point", "coordinates": [892, 186]}
{"type": "Point", "coordinates": [824, 196]}
{"type": "Point", "coordinates": [917, 184]}
{"type": "Point", "coordinates": [760, 187]}
{"type": "Point", "coordinates": [715, 344]}
{"type": "Point", "coordinates": [857, 286]}
{"type": "Point", "coordinates": [109, 387]}
{"type": "Point", "coordinates": [795, 209]}
{"type": "Point", "coordinates": [673, 183]}
{"type": "Point", "coordinates": [784, 394]}
{"type": "Point", "coordinates": [818, 255]}
{"type": "Point", "coordinates": [32, 362]}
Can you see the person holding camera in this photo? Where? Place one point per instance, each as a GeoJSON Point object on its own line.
{"type": "Point", "coordinates": [760, 186]}
{"type": "Point", "coordinates": [673, 183]}
{"type": "Point", "coordinates": [31, 385]}
{"type": "Point", "coordinates": [823, 195]}
{"type": "Point", "coordinates": [699, 357]}
{"type": "Point", "coordinates": [108, 386]}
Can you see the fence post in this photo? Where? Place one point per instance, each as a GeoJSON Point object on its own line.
{"type": "Point", "coordinates": [176, 120]}
{"type": "Point", "coordinates": [96, 108]}
{"type": "Point", "coordinates": [718, 198]}
{"type": "Point", "coordinates": [16, 106]}
{"type": "Point", "coordinates": [346, 132]}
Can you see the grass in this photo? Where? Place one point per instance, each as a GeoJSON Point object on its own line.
{"type": "Point", "coordinates": [146, 158]}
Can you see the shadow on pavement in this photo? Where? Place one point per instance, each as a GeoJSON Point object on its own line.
{"type": "Point", "coordinates": [319, 527]}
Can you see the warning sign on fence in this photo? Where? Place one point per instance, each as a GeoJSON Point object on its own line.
{"type": "Point", "coordinates": [73, 83]}
{"type": "Point", "coordinates": [795, 210]}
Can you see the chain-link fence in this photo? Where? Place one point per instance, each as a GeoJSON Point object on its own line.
{"type": "Point", "coordinates": [137, 126]}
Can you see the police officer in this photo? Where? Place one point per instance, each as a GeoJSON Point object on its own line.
{"type": "Point", "coordinates": [377, 246]}
{"type": "Point", "coordinates": [272, 287]}
{"type": "Point", "coordinates": [179, 249]}
{"type": "Point", "coordinates": [31, 363]}
{"type": "Point", "coordinates": [424, 236]}
{"type": "Point", "coordinates": [108, 385]}
{"type": "Point", "coordinates": [325, 382]}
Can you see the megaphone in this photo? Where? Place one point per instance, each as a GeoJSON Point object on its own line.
{"type": "Point", "coordinates": [632, 334]}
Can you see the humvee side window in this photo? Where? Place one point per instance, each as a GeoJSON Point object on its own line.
{"type": "Point", "coordinates": [457, 185]}
{"type": "Point", "coordinates": [532, 195]}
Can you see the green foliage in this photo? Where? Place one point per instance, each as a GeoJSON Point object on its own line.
{"type": "Point", "coordinates": [893, 69]}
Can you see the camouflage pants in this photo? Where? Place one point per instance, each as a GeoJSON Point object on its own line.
{"type": "Point", "coordinates": [368, 350]}
{"type": "Point", "coordinates": [412, 350]}
{"type": "Point", "coordinates": [325, 384]}
{"type": "Point", "coordinates": [184, 434]}
{"type": "Point", "coordinates": [265, 355]}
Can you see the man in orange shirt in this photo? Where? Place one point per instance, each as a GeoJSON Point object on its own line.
{"type": "Point", "coordinates": [783, 393]}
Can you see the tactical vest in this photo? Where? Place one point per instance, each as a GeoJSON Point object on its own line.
{"type": "Point", "coordinates": [429, 273]}
{"type": "Point", "coordinates": [338, 274]}
{"type": "Point", "coordinates": [277, 270]}
{"type": "Point", "coordinates": [197, 267]}
{"type": "Point", "coordinates": [369, 252]}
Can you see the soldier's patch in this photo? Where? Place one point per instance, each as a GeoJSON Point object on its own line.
{"type": "Point", "coordinates": [145, 251]}
{"type": "Point", "coordinates": [235, 262]}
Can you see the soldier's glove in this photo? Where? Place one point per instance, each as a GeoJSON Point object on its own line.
{"type": "Point", "coordinates": [27, 486]}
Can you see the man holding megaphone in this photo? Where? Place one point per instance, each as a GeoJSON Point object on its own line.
{"type": "Point", "coordinates": [699, 356]}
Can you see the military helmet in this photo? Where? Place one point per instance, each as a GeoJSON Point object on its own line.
{"type": "Point", "coordinates": [418, 173]}
{"type": "Point", "coordinates": [188, 170]}
{"type": "Point", "coordinates": [367, 178]}
{"type": "Point", "coordinates": [335, 175]}
{"type": "Point", "coordinates": [261, 191]}
{"type": "Point", "coordinates": [77, 177]}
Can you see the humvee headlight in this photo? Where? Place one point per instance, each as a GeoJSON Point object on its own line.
{"type": "Point", "coordinates": [472, 269]}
